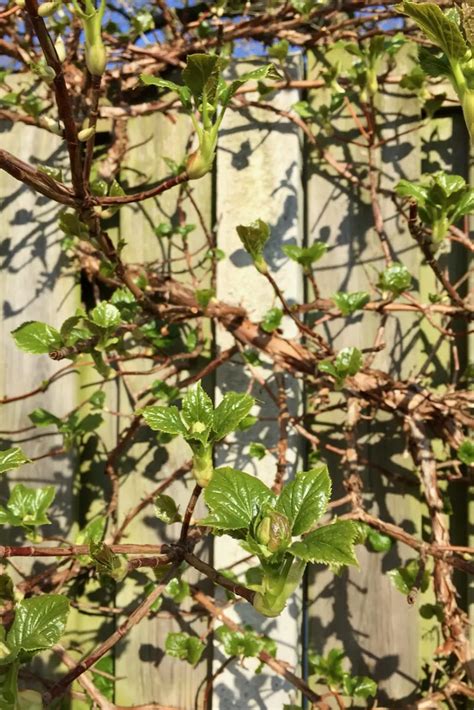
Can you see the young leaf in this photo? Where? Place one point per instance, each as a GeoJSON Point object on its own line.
{"type": "Point", "coordinates": [185, 647]}
{"type": "Point", "coordinates": [257, 450]}
{"type": "Point", "coordinates": [93, 532]}
{"type": "Point", "coordinates": [177, 589]}
{"type": "Point", "coordinates": [39, 623]}
{"type": "Point", "coordinates": [305, 499]}
{"type": "Point", "coordinates": [201, 75]}
{"type": "Point", "coordinates": [11, 459]}
{"type": "Point", "coordinates": [331, 544]}
{"type": "Point", "coordinates": [466, 452]}
{"type": "Point", "coordinates": [166, 509]}
{"type": "Point", "coordinates": [234, 499]}
{"type": "Point", "coordinates": [230, 413]}
{"type": "Point", "coordinates": [379, 542]}
{"type": "Point", "coordinates": [41, 417]}
{"type": "Point", "coordinates": [348, 303]}
{"type": "Point", "coordinates": [165, 419]}
{"type": "Point", "coordinates": [267, 72]}
{"type": "Point", "coordinates": [254, 236]}
{"type": "Point", "coordinates": [359, 686]}
{"type": "Point", "coordinates": [27, 506]}
{"type": "Point", "coordinates": [182, 91]}
{"type": "Point", "coordinates": [105, 315]}
{"type": "Point", "coordinates": [36, 338]}
{"type": "Point", "coordinates": [395, 278]}
{"type": "Point", "coordinates": [328, 667]}
{"type": "Point", "coordinates": [271, 320]}
{"type": "Point", "coordinates": [404, 578]}
{"type": "Point", "coordinates": [306, 256]}
{"type": "Point", "coordinates": [437, 27]}
{"type": "Point", "coordinates": [239, 643]}
{"type": "Point", "coordinates": [197, 412]}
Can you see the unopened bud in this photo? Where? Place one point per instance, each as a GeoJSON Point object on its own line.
{"type": "Point", "coordinates": [85, 134]}
{"type": "Point", "coordinates": [96, 57]}
{"type": "Point", "coordinates": [274, 531]}
{"type": "Point", "coordinates": [47, 9]}
{"type": "Point", "coordinates": [60, 49]}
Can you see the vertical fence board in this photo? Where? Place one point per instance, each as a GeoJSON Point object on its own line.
{"type": "Point", "coordinates": [360, 611]}
{"type": "Point", "coordinates": [146, 674]}
{"type": "Point", "coordinates": [33, 287]}
{"type": "Point", "coordinates": [258, 176]}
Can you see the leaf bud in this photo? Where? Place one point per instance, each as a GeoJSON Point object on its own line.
{"type": "Point", "coordinates": [85, 134]}
{"type": "Point", "coordinates": [47, 9]}
{"type": "Point", "coordinates": [274, 531]}
{"type": "Point", "coordinates": [60, 48]}
{"type": "Point", "coordinates": [254, 237]}
{"type": "Point", "coordinates": [96, 57]}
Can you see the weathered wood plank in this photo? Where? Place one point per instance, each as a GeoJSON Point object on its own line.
{"type": "Point", "coordinates": [258, 176]}
{"type": "Point", "coordinates": [145, 673]}
{"type": "Point", "coordinates": [33, 287]}
{"type": "Point", "coordinates": [360, 611]}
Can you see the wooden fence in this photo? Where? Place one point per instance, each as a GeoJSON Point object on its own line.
{"type": "Point", "coordinates": [265, 169]}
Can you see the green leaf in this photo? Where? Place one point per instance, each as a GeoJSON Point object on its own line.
{"type": "Point", "coordinates": [201, 75]}
{"type": "Point", "coordinates": [230, 413]}
{"type": "Point", "coordinates": [107, 563]}
{"type": "Point", "coordinates": [328, 667]}
{"type": "Point", "coordinates": [8, 684]}
{"type": "Point", "coordinates": [165, 419]}
{"type": "Point", "coordinates": [93, 532]}
{"type": "Point", "coordinates": [234, 499]}
{"type": "Point", "coordinates": [41, 417]}
{"type": "Point", "coordinates": [36, 337]}
{"type": "Point", "coordinates": [348, 303]}
{"type": "Point", "coordinates": [306, 256]}
{"type": "Point", "coordinates": [239, 643]}
{"type": "Point", "coordinates": [177, 589]}
{"type": "Point", "coordinates": [413, 190]}
{"type": "Point", "coordinates": [198, 413]}
{"type": "Point", "coordinates": [433, 63]}
{"type": "Point", "coordinates": [437, 27]}
{"type": "Point", "coordinates": [359, 686]}
{"type": "Point", "coordinates": [39, 623]}
{"type": "Point", "coordinates": [7, 589]}
{"type": "Point", "coordinates": [271, 320]}
{"type": "Point", "coordinates": [185, 647]}
{"type": "Point", "coordinates": [279, 50]}
{"type": "Point", "coordinates": [97, 399]}
{"type": "Point", "coordinates": [266, 72]}
{"type": "Point", "coordinates": [348, 361]}
{"type": "Point", "coordinates": [257, 450]}
{"type": "Point", "coordinates": [182, 91]}
{"type": "Point", "coordinates": [105, 315]}
{"type": "Point", "coordinates": [104, 679]}
{"type": "Point", "coordinates": [27, 507]}
{"type": "Point", "coordinates": [466, 452]}
{"type": "Point", "coordinates": [254, 236]}
{"type": "Point", "coordinates": [396, 278]}
{"type": "Point", "coordinates": [305, 499]}
{"type": "Point", "coordinates": [404, 578]}
{"type": "Point", "coordinates": [204, 295]}
{"type": "Point", "coordinates": [331, 544]}
{"type": "Point", "coordinates": [166, 509]}
{"type": "Point", "coordinates": [11, 459]}
{"type": "Point", "coordinates": [379, 542]}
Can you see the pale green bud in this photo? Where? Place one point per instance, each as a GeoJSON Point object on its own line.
{"type": "Point", "coordinates": [85, 134]}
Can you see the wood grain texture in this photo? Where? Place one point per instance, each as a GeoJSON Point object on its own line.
{"type": "Point", "coordinates": [360, 611]}
{"type": "Point", "coordinates": [146, 674]}
{"type": "Point", "coordinates": [258, 177]}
